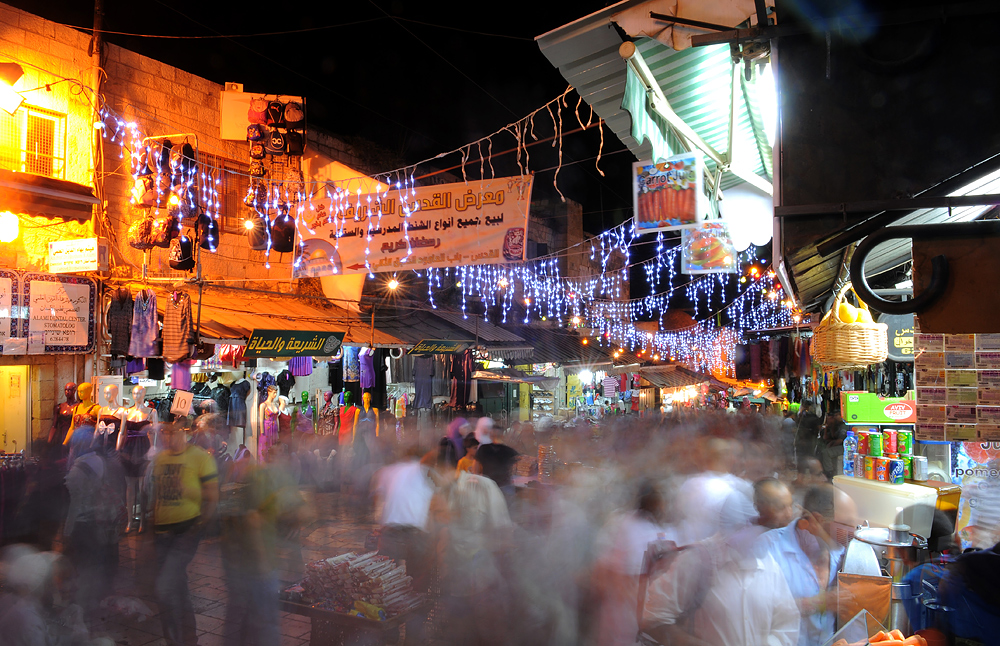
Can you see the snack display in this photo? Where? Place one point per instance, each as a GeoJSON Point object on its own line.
{"type": "Point", "coordinates": [883, 638]}
{"type": "Point", "coordinates": [365, 585]}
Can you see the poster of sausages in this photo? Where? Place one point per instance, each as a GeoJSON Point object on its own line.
{"type": "Point", "coordinates": [668, 194]}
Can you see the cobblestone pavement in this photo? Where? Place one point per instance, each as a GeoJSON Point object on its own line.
{"type": "Point", "coordinates": [338, 528]}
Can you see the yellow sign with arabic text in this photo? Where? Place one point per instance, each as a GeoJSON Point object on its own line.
{"type": "Point", "coordinates": [293, 343]}
{"type": "Point", "coordinates": [481, 222]}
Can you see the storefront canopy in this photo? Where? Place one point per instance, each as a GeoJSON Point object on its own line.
{"type": "Point", "coordinates": [660, 96]}
{"type": "Point", "coordinates": [233, 314]}
{"type": "Point", "coordinates": [37, 195]}
{"type": "Point", "coordinates": [411, 325]}
{"type": "Point", "coordinates": [671, 376]}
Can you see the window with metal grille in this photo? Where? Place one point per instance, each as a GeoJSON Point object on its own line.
{"type": "Point", "coordinates": [33, 140]}
{"type": "Point", "coordinates": [234, 181]}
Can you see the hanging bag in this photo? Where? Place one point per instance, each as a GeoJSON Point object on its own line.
{"type": "Point", "coordinates": [838, 344]}
{"type": "Point", "coordinates": [182, 254]}
{"type": "Point", "coordinates": [258, 111]}
{"type": "Point", "coordinates": [295, 116]}
{"type": "Point", "coordinates": [274, 144]}
{"type": "Point", "coordinates": [140, 232]}
{"type": "Point", "coordinates": [276, 114]}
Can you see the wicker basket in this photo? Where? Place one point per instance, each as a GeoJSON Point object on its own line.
{"type": "Point", "coordinates": [839, 345]}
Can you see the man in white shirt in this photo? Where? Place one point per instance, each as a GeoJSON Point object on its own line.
{"type": "Point", "coordinates": [716, 593]}
{"type": "Point", "coordinates": [702, 497]}
{"type": "Point", "coordinates": [810, 559]}
{"type": "Point", "coordinates": [405, 490]}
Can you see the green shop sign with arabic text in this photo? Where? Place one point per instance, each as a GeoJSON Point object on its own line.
{"type": "Point", "coordinates": [293, 343]}
{"type": "Point", "coordinates": [439, 346]}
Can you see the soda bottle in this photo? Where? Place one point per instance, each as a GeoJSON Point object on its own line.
{"type": "Point", "coordinates": [850, 453]}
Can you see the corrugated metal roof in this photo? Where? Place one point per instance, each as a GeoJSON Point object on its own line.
{"type": "Point", "coordinates": [814, 275]}
{"type": "Point", "coordinates": [696, 82]}
{"type": "Point", "coordinates": [672, 376]}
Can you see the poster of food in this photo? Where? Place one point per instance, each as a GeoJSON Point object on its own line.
{"type": "Point", "coordinates": [668, 194]}
{"type": "Point", "coordinates": [707, 249]}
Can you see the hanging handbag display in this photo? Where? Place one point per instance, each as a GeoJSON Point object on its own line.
{"type": "Point", "coordinates": [275, 113]}
{"type": "Point", "coordinates": [255, 132]}
{"type": "Point", "coordinates": [208, 232]}
{"type": "Point", "coordinates": [181, 254]}
{"type": "Point", "coordinates": [257, 169]}
{"type": "Point", "coordinates": [274, 144]}
{"type": "Point", "coordinates": [140, 233]}
{"type": "Point", "coordinates": [257, 150]}
{"type": "Point", "coordinates": [294, 144]}
{"type": "Point", "coordinates": [294, 185]}
{"type": "Point", "coordinates": [160, 234]}
{"type": "Point", "coordinates": [143, 191]}
{"type": "Point", "coordinates": [283, 233]}
{"type": "Point", "coordinates": [295, 116]}
{"type": "Point", "coordinates": [258, 111]}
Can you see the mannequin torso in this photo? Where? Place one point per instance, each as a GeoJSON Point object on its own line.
{"type": "Point", "coordinates": [86, 412]}
{"type": "Point", "coordinates": [112, 418]}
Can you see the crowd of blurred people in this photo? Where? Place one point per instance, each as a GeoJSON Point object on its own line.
{"type": "Point", "coordinates": [695, 527]}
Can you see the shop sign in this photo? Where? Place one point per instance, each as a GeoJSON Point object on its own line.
{"type": "Point", "coordinates": [8, 301]}
{"type": "Point", "coordinates": [708, 249]}
{"type": "Point", "coordinates": [868, 408]}
{"type": "Point", "coordinates": [293, 343]}
{"type": "Point", "coordinates": [439, 346]}
{"type": "Point", "coordinates": [469, 223]}
{"type": "Point", "coordinates": [668, 194]}
{"type": "Point", "coordinates": [900, 335]}
{"type": "Point", "coordinates": [71, 256]}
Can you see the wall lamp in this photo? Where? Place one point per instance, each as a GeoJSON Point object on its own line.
{"type": "Point", "coordinates": [10, 100]}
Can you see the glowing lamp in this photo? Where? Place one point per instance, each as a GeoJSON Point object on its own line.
{"type": "Point", "coordinates": [392, 284]}
{"type": "Point", "coordinates": [586, 341]}
{"type": "Point", "coordinates": [9, 227]}
{"type": "Point", "coordinates": [586, 376]}
{"type": "Point", "coordinates": [248, 225]}
{"type": "Point", "coordinates": [10, 100]}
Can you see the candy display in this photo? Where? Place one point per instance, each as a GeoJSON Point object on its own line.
{"type": "Point", "coordinates": [366, 585]}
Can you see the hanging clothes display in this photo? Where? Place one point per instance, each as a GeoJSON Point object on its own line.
{"type": "Point", "coordinates": [366, 359]}
{"type": "Point", "coordinates": [381, 374]}
{"type": "Point", "coordinates": [180, 377]}
{"type": "Point", "coordinates": [120, 321]}
{"type": "Point", "coordinates": [300, 366]}
{"type": "Point", "coordinates": [178, 329]}
{"type": "Point", "coordinates": [264, 381]}
{"type": "Point", "coordinates": [423, 380]}
{"type": "Point", "coordinates": [238, 392]}
{"type": "Point", "coordinates": [461, 377]}
{"type": "Point", "coordinates": [144, 327]}
{"type": "Point", "coordinates": [352, 365]}
{"type": "Point", "coordinates": [285, 381]}
{"type": "Point", "coordinates": [328, 418]}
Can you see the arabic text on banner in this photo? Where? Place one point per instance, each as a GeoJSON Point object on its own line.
{"type": "Point", "coordinates": [476, 223]}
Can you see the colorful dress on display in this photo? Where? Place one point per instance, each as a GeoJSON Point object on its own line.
{"type": "Point", "coordinates": [352, 367]}
{"type": "Point", "coordinates": [135, 447]}
{"type": "Point", "coordinates": [347, 414]}
{"type": "Point", "coordinates": [367, 360]}
{"type": "Point", "coordinates": [269, 435]}
{"type": "Point", "coordinates": [62, 419]}
{"type": "Point", "coordinates": [364, 436]}
{"type": "Point", "coordinates": [304, 420]}
{"type": "Point", "coordinates": [238, 403]}
{"type": "Point", "coordinates": [300, 366]}
{"type": "Point", "coordinates": [284, 424]}
{"type": "Point", "coordinates": [328, 419]}
{"type": "Point", "coordinates": [144, 325]}
{"type": "Point", "coordinates": [83, 415]}
{"type": "Point", "coordinates": [107, 431]}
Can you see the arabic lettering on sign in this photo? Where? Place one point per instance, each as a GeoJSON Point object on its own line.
{"type": "Point", "coordinates": [474, 222]}
{"type": "Point", "coordinates": [6, 303]}
{"type": "Point", "coordinates": [277, 343]}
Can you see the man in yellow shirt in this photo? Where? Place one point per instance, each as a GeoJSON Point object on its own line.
{"type": "Point", "coordinates": [186, 491]}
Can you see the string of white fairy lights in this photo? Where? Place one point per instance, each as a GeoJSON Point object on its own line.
{"type": "Point", "coordinates": [594, 302]}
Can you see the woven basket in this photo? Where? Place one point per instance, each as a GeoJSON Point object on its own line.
{"type": "Point", "coordinates": [839, 345]}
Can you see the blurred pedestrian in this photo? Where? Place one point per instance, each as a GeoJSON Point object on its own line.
{"type": "Point", "coordinates": [95, 518]}
{"type": "Point", "coordinates": [468, 461]}
{"type": "Point", "coordinates": [495, 458]}
{"type": "Point", "coordinates": [185, 482]}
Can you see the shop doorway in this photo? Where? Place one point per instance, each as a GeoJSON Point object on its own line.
{"type": "Point", "coordinates": [14, 408]}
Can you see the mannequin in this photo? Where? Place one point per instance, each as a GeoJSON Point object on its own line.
{"type": "Point", "coordinates": [347, 414]}
{"type": "Point", "coordinates": [365, 431]}
{"type": "Point", "coordinates": [305, 415]}
{"type": "Point", "coordinates": [133, 449]}
{"type": "Point", "coordinates": [86, 412]}
{"type": "Point", "coordinates": [328, 415]}
{"type": "Point", "coordinates": [284, 417]}
{"type": "Point", "coordinates": [62, 415]}
{"type": "Point", "coordinates": [112, 418]}
{"type": "Point", "coordinates": [238, 391]}
{"type": "Point", "coordinates": [267, 418]}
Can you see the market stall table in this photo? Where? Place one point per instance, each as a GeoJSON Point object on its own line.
{"type": "Point", "coordinates": [330, 627]}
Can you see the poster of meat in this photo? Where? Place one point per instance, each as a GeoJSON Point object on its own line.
{"type": "Point", "coordinates": [707, 249]}
{"type": "Point", "coordinates": [668, 194]}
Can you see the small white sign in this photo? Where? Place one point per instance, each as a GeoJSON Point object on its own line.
{"type": "Point", "coordinates": [182, 402]}
{"type": "Point", "coordinates": [72, 256]}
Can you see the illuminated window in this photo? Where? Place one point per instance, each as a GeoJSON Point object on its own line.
{"type": "Point", "coordinates": [33, 140]}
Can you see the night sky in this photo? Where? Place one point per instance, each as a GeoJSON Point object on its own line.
{"type": "Point", "coordinates": [415, 78]}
